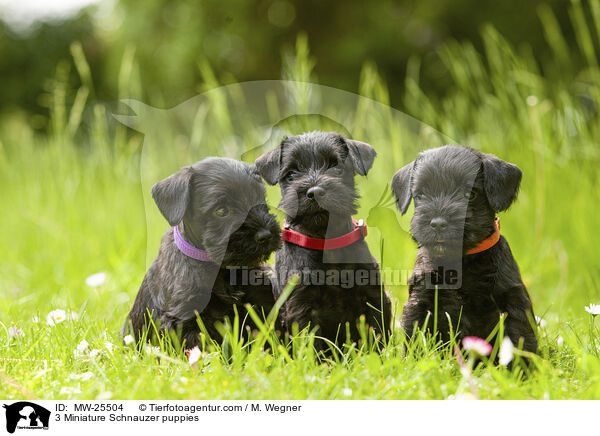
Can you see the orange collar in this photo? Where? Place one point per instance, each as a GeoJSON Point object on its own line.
{"type": "Point", "coordinates": [488, 242]}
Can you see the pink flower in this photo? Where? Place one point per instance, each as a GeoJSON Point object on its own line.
{"type": "Point", "coordinates": [477, 345]}
{"type": "Point", "coordinates": [15, 332]}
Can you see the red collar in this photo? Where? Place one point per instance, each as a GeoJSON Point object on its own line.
{"type": "Point", "coordinates": [359, 232]}
{"type": "Point", "coordinates": [488, 242]}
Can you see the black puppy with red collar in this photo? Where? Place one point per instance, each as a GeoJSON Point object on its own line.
{"type": "Point", "coordinates": [339, 278]}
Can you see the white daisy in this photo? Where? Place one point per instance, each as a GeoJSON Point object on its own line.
{"type": "Point", "coordinates": [81, 348]}
{"type": "Point", "coordinates": [560, 341]}
{"type": "Point", "coordinates": [506, 351]}
{"type": "Point", "coordinates": [128, 339]}
{"type": "Point", "coordinates": [57, 316]}
{"type": "Point", "coordinates": [593, 309]}
{"type": "Point", "coordinates": [193, 356]}
{"type": "Point", "coordinates": [96, 280]}
{"type": "Point", "coordinates": [83, 345]}
{"type": "Point", "coordinates": [347, 392]}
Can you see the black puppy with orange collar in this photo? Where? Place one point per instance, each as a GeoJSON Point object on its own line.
{"type": "Point", "coordinates": [457, 192]}
{"type": "Point", "coordinates": [339, 278]}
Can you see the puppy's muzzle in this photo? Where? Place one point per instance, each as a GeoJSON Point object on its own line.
{"type": "Point", "coordinates": [263, 236]}
{"type": "Point", "coordinates": [439, 224]}
{"type": "Point", "coordinates": [315, 193]}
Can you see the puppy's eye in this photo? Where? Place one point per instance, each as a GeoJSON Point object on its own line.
{"type": "Point", "coordinates": [291, 175]}
{"type": "Point", "coordinates": [221, 212]}
{"type": "Point", "coordinates": [419, 197]}
{"type": "Point", "coordinates": [471, 195]}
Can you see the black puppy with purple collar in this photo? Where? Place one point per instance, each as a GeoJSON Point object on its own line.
{"type": "Point", "coordinates": [221, 229]}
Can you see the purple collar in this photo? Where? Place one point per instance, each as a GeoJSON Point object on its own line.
{"type": "Point", "coordinates": [188, 249]}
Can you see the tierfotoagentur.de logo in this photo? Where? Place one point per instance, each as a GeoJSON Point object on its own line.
{"type": "Point", "coordinates": [24, 415]}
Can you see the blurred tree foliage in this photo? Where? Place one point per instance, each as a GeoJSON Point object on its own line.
{"type": "Point", "coordinates": [159, 46]}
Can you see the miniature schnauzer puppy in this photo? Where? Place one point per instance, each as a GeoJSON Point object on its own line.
{"type": "Point", "coordinates": [340, 281]}
{"type": "Point", "coordinates": [221, 228]}
{"type": "Point", "coordinates": [457, 192]}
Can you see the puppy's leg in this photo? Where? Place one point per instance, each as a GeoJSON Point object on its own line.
{"type": "Point", "coordinates": [376, 316]}
{"type": "Point", "coordinates": [190, 334]}
{"type": "Point", "coordinates": [421, 306]}
{"type": "Point", "coordinates": [260, 293]}
{"type": "Point", "coordinates": [144, 312]}
{"type": "Point", "coordinates": [518, 324]}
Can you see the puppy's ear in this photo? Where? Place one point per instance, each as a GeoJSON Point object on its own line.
{"type": "Point", "coordinates": [172, 195]}
{"type": "Point", "coordinates": [401, 187]}
{"type": "Point", "coordinates": [501, 182]}
{"type": "Point", "coordinates": [268, 164]}
{"type": "Point", "coordinates": [362, 155]}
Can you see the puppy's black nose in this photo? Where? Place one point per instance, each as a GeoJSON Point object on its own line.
{"type": "Point", "coordinates": [315, 193]}
{"type": "Point", "coordinates": [262, 236]}
{"type": "Point", "coordinates": [438, 224]}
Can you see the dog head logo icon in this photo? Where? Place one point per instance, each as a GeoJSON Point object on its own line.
{"type": "Point", "coordinates": [26, 415]}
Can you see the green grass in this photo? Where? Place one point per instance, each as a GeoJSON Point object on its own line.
{"type": "Point", "coordinates": [73, 204]}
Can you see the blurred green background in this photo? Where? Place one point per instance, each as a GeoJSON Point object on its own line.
{"type": "Point", "coordinates": [166, 41]}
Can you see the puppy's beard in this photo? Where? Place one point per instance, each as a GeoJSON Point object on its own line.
{"type": "Point", "coordinates": [234, 259]}
{"type": "Point", "coordinates": [243, 249]}
{"type": "Point", "coordinates": [453, 242]}
{"type": "Point", "coordinates": [251, 254]}
{"type": "Point", "coordinates": [438, 244]}
{"type": "Point", "coordinates": [295, 206]}
{"type": "Point", "coordinates": [310, 208]}
{"type": "Point", "coordinates": [316, 220]}
{"type": "Point", "coordinates": [444, 250]}
{"type": "Point", "coordinates": [446, 244]}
